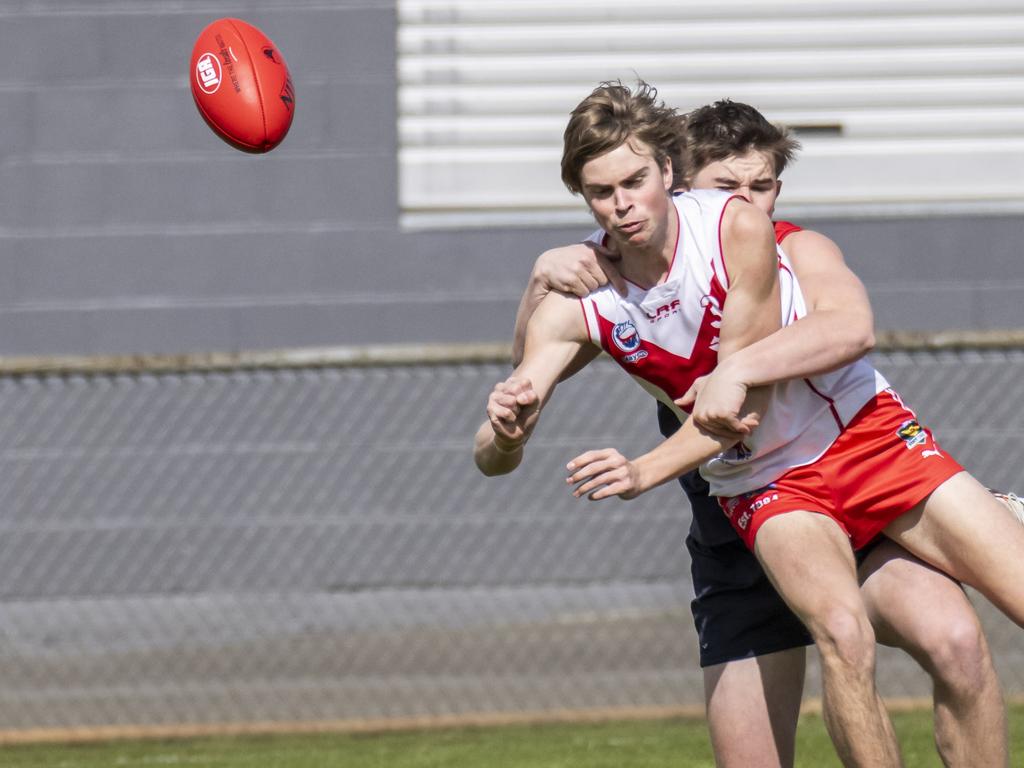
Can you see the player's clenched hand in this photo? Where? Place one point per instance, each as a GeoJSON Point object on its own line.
{"type": "Point", "coordinates": [579, 269]}
{"type": "Point", "coordinates": [511, 409]}
{"type": "Point", "coordinates": [717, 400]}
{"type": "Point", "coordinates": [603, 473]}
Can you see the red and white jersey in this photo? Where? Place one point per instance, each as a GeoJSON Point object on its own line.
{"type": "Point", "coordinates": [667, 336]}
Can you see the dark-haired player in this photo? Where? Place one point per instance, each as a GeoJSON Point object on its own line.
{"type": "Point", "coordinates": [754, 677]}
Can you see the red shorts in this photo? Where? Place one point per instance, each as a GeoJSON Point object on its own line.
{"type": "Point", "coordinates": [883, 464]}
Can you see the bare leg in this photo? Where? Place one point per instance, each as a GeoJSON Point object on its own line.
{"type": "Point", "coordinates": [963, 530]}
{"type": "Point", "coordinates": [809, 560]}
{"type": "Point", "coordinates": [753, 706]}
{"type": "Point", "coordinates": [914, 607]}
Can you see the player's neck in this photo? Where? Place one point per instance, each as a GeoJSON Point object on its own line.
{"type": "Point", "coordinates": [648, 265]}
{"type": "Point", "coordinates": [645, 267]}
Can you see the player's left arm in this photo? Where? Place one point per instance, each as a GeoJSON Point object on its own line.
{"type": "Point", "coordinates": [602, 473]}
{"type": "Point", "coordinates": [752, 314]}
{"type": "Point", "coordinates": [837, 330]}
{"type": "Point", "coordinates": [752, 306]}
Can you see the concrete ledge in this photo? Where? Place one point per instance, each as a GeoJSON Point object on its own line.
{"type": "Point", "coordinates": [415, 354]}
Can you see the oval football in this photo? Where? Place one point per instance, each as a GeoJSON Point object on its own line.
{"type": "Point", "coordinates": [241, 85]}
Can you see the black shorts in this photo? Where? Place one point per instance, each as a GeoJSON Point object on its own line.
{"type": "Point", "coordinates": [737, 612]}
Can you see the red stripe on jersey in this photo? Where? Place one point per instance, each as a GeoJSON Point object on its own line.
{"type": "Point", "coordinates": [679, 232]}
{"type": "Point", "coordinates": [721, 253]}
{"type": "Point", "coordinates": [784, 229]}
{"type": "Point", "coordinates": [672, 373]}
{"type": "Point", "coordinates": [784, 268]}
{"type": "Point", "coordinates": [586, 322]}
{"type": "Point", "coordinates": [831, 405]}
{"type": "Point", "coordinates": [718, 293]}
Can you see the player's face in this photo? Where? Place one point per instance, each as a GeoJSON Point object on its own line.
{"type": "Point", "coordinates": [627, 192]}
{"type": "Point", "coordinates": [751, 175]}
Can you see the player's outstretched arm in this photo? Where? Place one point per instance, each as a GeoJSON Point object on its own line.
{"type": "Point", "coordinates": [603, 473]}
{"type": "Point", "coordinates": [575, 269]}
{"type": "Point", "coordinates": [512, 410]}
{"type": "Point", "coordinates": [838, 329]}
{"type": "Point", "coordinates": [556, 336]}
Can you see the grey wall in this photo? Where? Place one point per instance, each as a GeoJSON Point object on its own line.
{"type": "Point", "coordinates": [938, 273]}
{"type": "Point", "coordinates": [126, 226]}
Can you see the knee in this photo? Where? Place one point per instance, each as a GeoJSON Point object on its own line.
{"type": "Point", "coordinates": [845, 638]}
{"type": "Point", "coordinates": [958, 656]}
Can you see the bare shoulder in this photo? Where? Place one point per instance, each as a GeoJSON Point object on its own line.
{"type": "Point", "coordinates": [747, 239]}
{"type": "Point", "coordinates": [743, 219]}
{"type": "Point", "coordinates": [808, 245]}
{"type": "Point", "coordinates": [826, 280]}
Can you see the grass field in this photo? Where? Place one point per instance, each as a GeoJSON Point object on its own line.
{"type": "Point", "coordinates": [644, 744]}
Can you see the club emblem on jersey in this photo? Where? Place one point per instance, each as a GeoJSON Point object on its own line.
{"type": "Point", "coordinates": [912, 433]}
{"type": "Point", "coordinates": [626, 336]}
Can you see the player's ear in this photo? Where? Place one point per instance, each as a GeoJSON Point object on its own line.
{"type": "Point", "coordinates": [667, 178]}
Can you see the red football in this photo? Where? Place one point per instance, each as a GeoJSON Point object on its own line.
{"type": "Point", "coordinates": [241, 85]}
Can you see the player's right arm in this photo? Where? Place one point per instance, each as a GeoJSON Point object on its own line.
{"type": "Point", "coordinates": [556, 336]}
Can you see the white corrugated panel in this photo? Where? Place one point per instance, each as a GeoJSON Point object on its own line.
{"type": "Point", "coordinates": [905, 102]}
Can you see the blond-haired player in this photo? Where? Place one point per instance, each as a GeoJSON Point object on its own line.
{"type": "Point", "coordinates": [714, 257]}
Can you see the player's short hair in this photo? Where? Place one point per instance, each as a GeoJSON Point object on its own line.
{"type": "Point", "coordinates": [726, 128]}
{"type": "Point", "coordinates": [612, 115]}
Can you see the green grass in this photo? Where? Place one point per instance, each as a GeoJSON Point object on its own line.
{"type": "Point", "coordinates": [646, 744]}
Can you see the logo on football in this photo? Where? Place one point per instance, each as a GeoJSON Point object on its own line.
{"type": "Point", "coordinates": [208, 73]}
{"type": "Point", "coordinates": [241, 85]}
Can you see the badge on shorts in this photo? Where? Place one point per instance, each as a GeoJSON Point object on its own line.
{"type": "Point", "coordinates": [912, 433]}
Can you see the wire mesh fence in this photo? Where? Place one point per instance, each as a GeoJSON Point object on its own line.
{"type": "Point", "coordinates": [315, 544]}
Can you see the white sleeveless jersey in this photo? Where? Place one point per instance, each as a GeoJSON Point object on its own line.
{"type": "Point", "coordinates": [667, 336]}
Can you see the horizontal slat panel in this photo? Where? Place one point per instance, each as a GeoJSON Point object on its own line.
{"type": "Point", "coordinates": [924, 98]}
{"type": "Point", "coordinates": [657, 66]}
{"type": "Point", "coordinates": [829, 171]}
{"type": "Point", "coordinates": [532, 11]}
{"type": "Point", "coordinates": [717, 35]}
{"type": "Point", "coordinates": [816, 94]}
{"type": "Point", "coordinates": [519, 130]}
